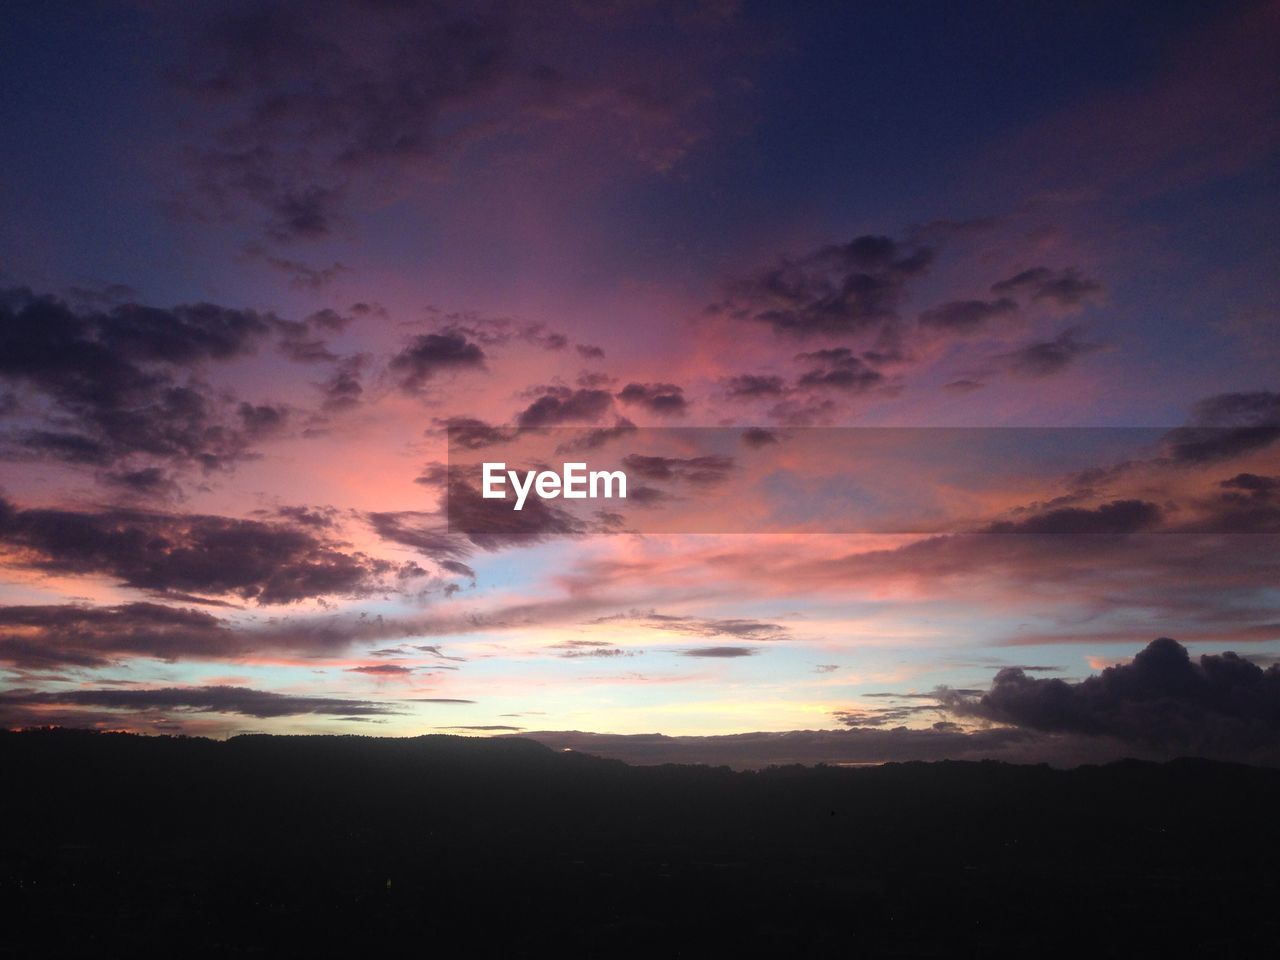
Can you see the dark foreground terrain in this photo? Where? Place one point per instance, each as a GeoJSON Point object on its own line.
{"type": "Point", "coordinates": [114, 845]}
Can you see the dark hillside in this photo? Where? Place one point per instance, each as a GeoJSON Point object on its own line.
{"type": "Point", "coordinates": [270, 846]}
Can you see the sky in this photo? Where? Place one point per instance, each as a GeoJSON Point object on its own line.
{"type": "Point", "coordinates": [261, 262]}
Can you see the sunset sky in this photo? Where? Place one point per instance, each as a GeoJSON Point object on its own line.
{"type": "Point", "coordinates": [258, 258]}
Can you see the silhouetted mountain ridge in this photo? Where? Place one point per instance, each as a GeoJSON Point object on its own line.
{"type": "Point", "coordinates": [324, 844]}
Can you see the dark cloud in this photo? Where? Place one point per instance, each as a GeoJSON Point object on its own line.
{"type": "Point", "coordinates": [839, 369]}
{"type": "Point", "coordinates": [459, 568]}
{"type": "Point", "coordinates": [576, 649]}
{"type": "Point", "coordinates": [301, 110]}
{"type": "Point", "coordinates": [424, 532]}
{"type": "Point", "coordinates": [757, 437]}
{"type": "Point", "coordinates": [1222, 706]}
{"type": "Point", "coordinates": [306, 277]}
{"type": "Point", "coordinates": [265, 562]}
{"type": "Point", "coordinates": [492, 524]}
{"type": "Point", "coordinates": [1252, 487]}
{"type": "Point", "coordinates": [319, 518]}
{"type": "Point", "coordinates": [342, 390]}
{"type": "Point", "coordinates": [1066, 288]}
{"type": "Point", "coordinates": [305, 105]}
{"type": "Point", "coordinates": [885, 716]}
{"type": "Point", "coordinates": [490, 332]}
{"type": "Point", "coordinates": [434, 474]}
{"type": "Point", "coordinates": [963, 386]}
{"type": "Point", "coordinates": [838, 289]}
{"type": "Point", "coordinates": [1047, 357]}
{"type": "Point", "coordinates": [431, 353]}
{"type": "Point", "coordinates": [1225, 426]}
{"type": "Point", "coordinates": [559, 405]}
{"type": "Point", "coordinates": [700, 471]}
{"type": "Point", "coordinates": [663, 399]}
{"type": "Point", "coordinates": [263, 419]}
{"type": "Point", "coordinates": [596, 438]}
{"type": "Point", "coordinates": [753, 386]}
{"type": "Point", "coordinates": [803, 411]}
{"type": "Point", "coordinates": [741, 629]}
{"type": "Point", "coordinates": [151, 482]}
{"type": "Point", "coordinates": [303, 341]}
{"type": "Point", "coordinates": [1117, 517]}
{"type": "Point", "coordinates": [214, 699]}
{"type": "Point", "coordinates": [966, 316]}
{"type": "Point", "coordinates": [382, 670]}
{"type": "Point", "coordinates": [593, 379]}
{"type": "Point", "coordinates": [69, 447]}
{"type": "Point", "coordinates": [472, 434]}
{"type": "Point", "coordinates": [719, 652]}
{"type": "Point", "coordinates": [589, 352]}
{"type": "Point", "coordinates": [122, 381]}
{"type": "Point", "coordinates": [74, 635]}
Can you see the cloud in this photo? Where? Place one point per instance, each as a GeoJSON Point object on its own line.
{"type": "Point", "coordinates": [719, 652]}
{"type": "Point", "coordinates": [269, 563]}
{"type": "Point", "coordinates": [305, 106]}
{"type": "Point", "coordinates": [431, 353]}
{"type": "Point", "coordinates": [1252, 486]}
{"type": "Point", "coordinates": [299, 112]}
{"type": "Point", "coordinates": [71, 634]}
{"type": "Point", "coordinates": [838, 369]}
{"type": "Point", "coordinates": [837, 289]}
{"type": "Point", "coordinates": [302, 341]}
{"type": "Point", "coordinates": [1066, 288]}
{"type": "Point", "coordinates": [211, 699]}
{"type": "Point", "coordinates": [319, 518]}
{"type": "Point", "coordinates": [1048, 357]}
{"type": "Point", "coordinates": [472, 434]}
{"type": "Point", "coordinates": [1221, 706]}
{"type": "Point", "coordinates": [1116, 517]}
{"type": "Point", "coordinates": [577, 649]}
{"type": "Point", "coordinates": [596, 438]}
{"type": "Point", "coordinates": [559, 405]}
{"type": "Point", "coordinates": [966, 316]}
{"type": "Point", "coordinates": [122, 381]}
{"type": "Point", "coordinates": [492, 524]}
{"type": "Point", "coordinates": [589, 352]}
{"type": "Point", "coordinates": [701, 471]}
{"type": "Point", "coordinates": [382, 670]}
{"type": "Point", "coordinates": [459, 568]}
{"type": "Point", "coordinates": [151, 482]}
{"type": "Point", "coordinates": [1225, 426]}
{"type": "Point", "coordinates": [342, 391]}
{"type": "Point", "coordinates": [739, 628]}
{"type": "Point", "coordinates": [754, 386]}
{"type": "Point", "coordinates": [663, 399]}
{"type": "Point", "coordinates": [424, 532]}
{"type": "Point", "coordinates": [305, 277]}
{"type": "Point", "coordinates": [757, 437]}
